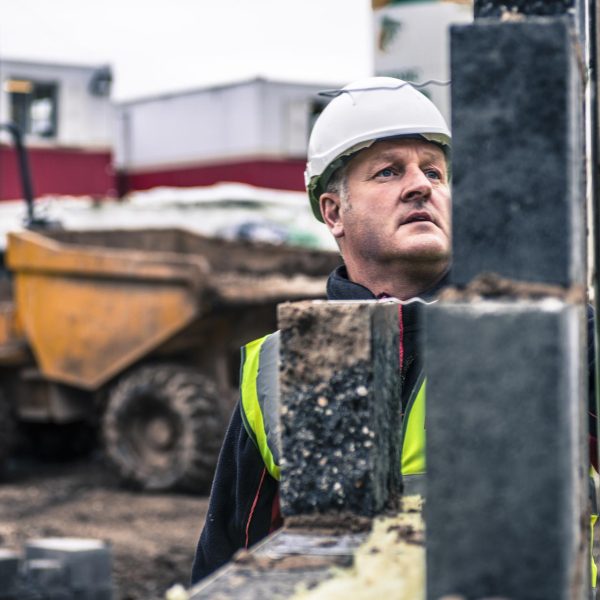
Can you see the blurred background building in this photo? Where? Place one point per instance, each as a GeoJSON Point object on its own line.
{"type": "Point", "coordinates": [251, 132]}
{"type": "Point", "coordinates": [67, 117]}
{"type": "Point", "coordinates": [128, 162]}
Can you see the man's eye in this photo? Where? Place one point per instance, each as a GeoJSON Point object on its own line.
{"type": "Point", "coordinates": [433, 174]}
{"type": "Point", "coordinates": [387, 172]}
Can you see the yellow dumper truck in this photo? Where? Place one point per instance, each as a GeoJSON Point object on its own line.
{"type": "Point", "coordinates": [138, 332]}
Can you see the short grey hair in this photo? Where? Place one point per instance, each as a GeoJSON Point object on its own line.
{"type": "Point", "coordinates": [338, 183]}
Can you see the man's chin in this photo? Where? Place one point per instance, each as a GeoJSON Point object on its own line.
{"type": "Point", "coordinates": [425, 252]}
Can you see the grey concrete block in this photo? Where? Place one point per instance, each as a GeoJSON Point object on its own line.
{"type": "Point", "coordinates": [506, 455]}
{"type": "Point", "coordinates": [9, 571]}
{"type": "Point", "coordinates": [495, 8]}
{"type": "Point", "coordinates": [87, 563]}
{"type": "Point", "coordinates": [49, 577]}
{"type": "Point", "coordinates": [340, 393]}
{"type": "Point", "coordinates": [279, 565]}
{"type": "Point", "coordinates": [517, 152]}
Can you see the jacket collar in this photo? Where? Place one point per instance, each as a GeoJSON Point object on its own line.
{"type": "Point", "coordinates": [339, 287]}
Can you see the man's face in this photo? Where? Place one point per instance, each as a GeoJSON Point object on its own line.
{"type": "Point", "coordinates": [397, 205]}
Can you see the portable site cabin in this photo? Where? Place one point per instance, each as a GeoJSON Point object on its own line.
{"type": "Point", "coordinates": [67, 117]}
{"type": "Point", "coordinates": [253, 131]}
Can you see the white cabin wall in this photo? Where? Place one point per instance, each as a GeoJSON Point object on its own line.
{"type": "Point", "coordinates": [253, 119]}
{"type": "Point", "coordinates": [83, 120]}
{"type": "Point", "coordinates": [209, 124]}
{"type": "Point", "coordinates": [286, 110]}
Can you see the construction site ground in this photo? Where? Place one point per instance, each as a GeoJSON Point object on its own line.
{"type": "Point", "coordinates": [153, 536]}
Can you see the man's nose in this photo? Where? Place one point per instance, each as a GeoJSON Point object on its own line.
{"type": "Point", "coordinates": [418, 186]}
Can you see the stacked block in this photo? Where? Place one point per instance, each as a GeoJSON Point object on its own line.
{"type": "Point", "coordinates": [340, 393]}
{"type": "Point", "coordinates": [518, 194]}
{"type": "Point", "coordinates": [86, 565]}
{"type": "Point", "coordinates": [506, 440]}
{"type": "Point", "coordinates": [506, 433]}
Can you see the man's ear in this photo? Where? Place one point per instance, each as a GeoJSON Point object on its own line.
{"type": "Point", "coordinates": [331, 206]}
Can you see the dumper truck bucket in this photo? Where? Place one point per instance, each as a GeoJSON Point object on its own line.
{"type": "Point", "coordinates": [89, 312]}
{"type": "Point", "coordinates": [93, 303]}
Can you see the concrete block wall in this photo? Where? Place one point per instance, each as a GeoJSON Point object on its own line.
{"type": "Point", "coordinates": [507, 510]}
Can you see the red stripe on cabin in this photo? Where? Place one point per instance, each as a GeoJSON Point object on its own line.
{"type": "Point", "coordinates": [69, 171]}
{"type": "Point", "coordinates": [87, 173]}
{"type": "Point", "coordinates": [268, 173]}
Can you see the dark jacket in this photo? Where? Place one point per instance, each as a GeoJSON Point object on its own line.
{"type": "Point", "coordinates": [244, 501]}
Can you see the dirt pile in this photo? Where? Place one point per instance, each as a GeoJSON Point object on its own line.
{"type": "Point", "coordinates": [153, 537]}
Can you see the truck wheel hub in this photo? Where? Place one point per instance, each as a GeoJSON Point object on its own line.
{"type": "Point", "coordinates": [159, 434]}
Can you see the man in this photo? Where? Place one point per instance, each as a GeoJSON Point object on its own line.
{"type": "Point", "coordinates": [378, 177]}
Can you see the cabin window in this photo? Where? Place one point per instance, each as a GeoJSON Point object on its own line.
{"type": "Point", "coordinates": [33, 106]}
{"type": "Point", "coordinates": [315, 109]}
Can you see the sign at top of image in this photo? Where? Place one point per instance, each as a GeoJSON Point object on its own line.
{"type": "Point", "coordinates": [411, 41]}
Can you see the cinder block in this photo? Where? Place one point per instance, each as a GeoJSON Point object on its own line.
{"type": "Point", "coordinates": [340, 393]}
{"type": "Point", "coordinates": [495, 8]}
{"type": "Point", "coordinates": [9, 571]}
{"type": "Point", "coordinates": [506, 455]}
{"type": "Point", "coordinates": [49, 577]}
{"type": "Point", "coordinates": [87, 563]}
{"type": "Point", "coordinates": [517, 152]}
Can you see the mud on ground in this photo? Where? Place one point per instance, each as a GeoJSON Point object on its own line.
{"type": "Point", "coordinates": [153, 536]}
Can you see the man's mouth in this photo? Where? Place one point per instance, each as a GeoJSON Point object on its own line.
{"type": "Point", "coordinates": [417, 217]}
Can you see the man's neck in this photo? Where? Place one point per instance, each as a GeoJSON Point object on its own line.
{"type": "Point", "coordinates": [399, 283]}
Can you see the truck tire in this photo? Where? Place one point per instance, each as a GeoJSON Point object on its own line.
{"type": "Point", "coordinates": [163, 428]}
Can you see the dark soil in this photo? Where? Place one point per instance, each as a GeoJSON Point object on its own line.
{"type": "Point", "coordinates": [153, 536]}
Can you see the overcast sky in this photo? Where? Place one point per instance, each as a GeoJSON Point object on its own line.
{"type": "Point", "coordinates": [165, 45]}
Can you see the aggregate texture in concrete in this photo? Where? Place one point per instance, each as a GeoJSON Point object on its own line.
{"type": "Point", "coordinates": [340, 391]}
{"type": "Point", "coordinates": [518, 197]}
{"type": "Point", "coordinates": [506, 457]}
{"type": "Point", "coordinates": [496, 8]}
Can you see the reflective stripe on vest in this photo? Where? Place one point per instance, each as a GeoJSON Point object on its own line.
{"type": "Point", "coordinates": [260, 398]}
{"type": "Point", "coordinates": [413, 434]}
{"type": "Point", "coordinates": [593, 519]}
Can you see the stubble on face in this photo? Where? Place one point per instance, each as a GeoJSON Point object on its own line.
{"type": "Point", "coordinates": [346, 201]}
{"type": "Point", "coordinates": [414, 179]}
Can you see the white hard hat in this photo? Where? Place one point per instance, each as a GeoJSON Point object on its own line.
{"type": "Point", "coordinates": [362, 113]}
